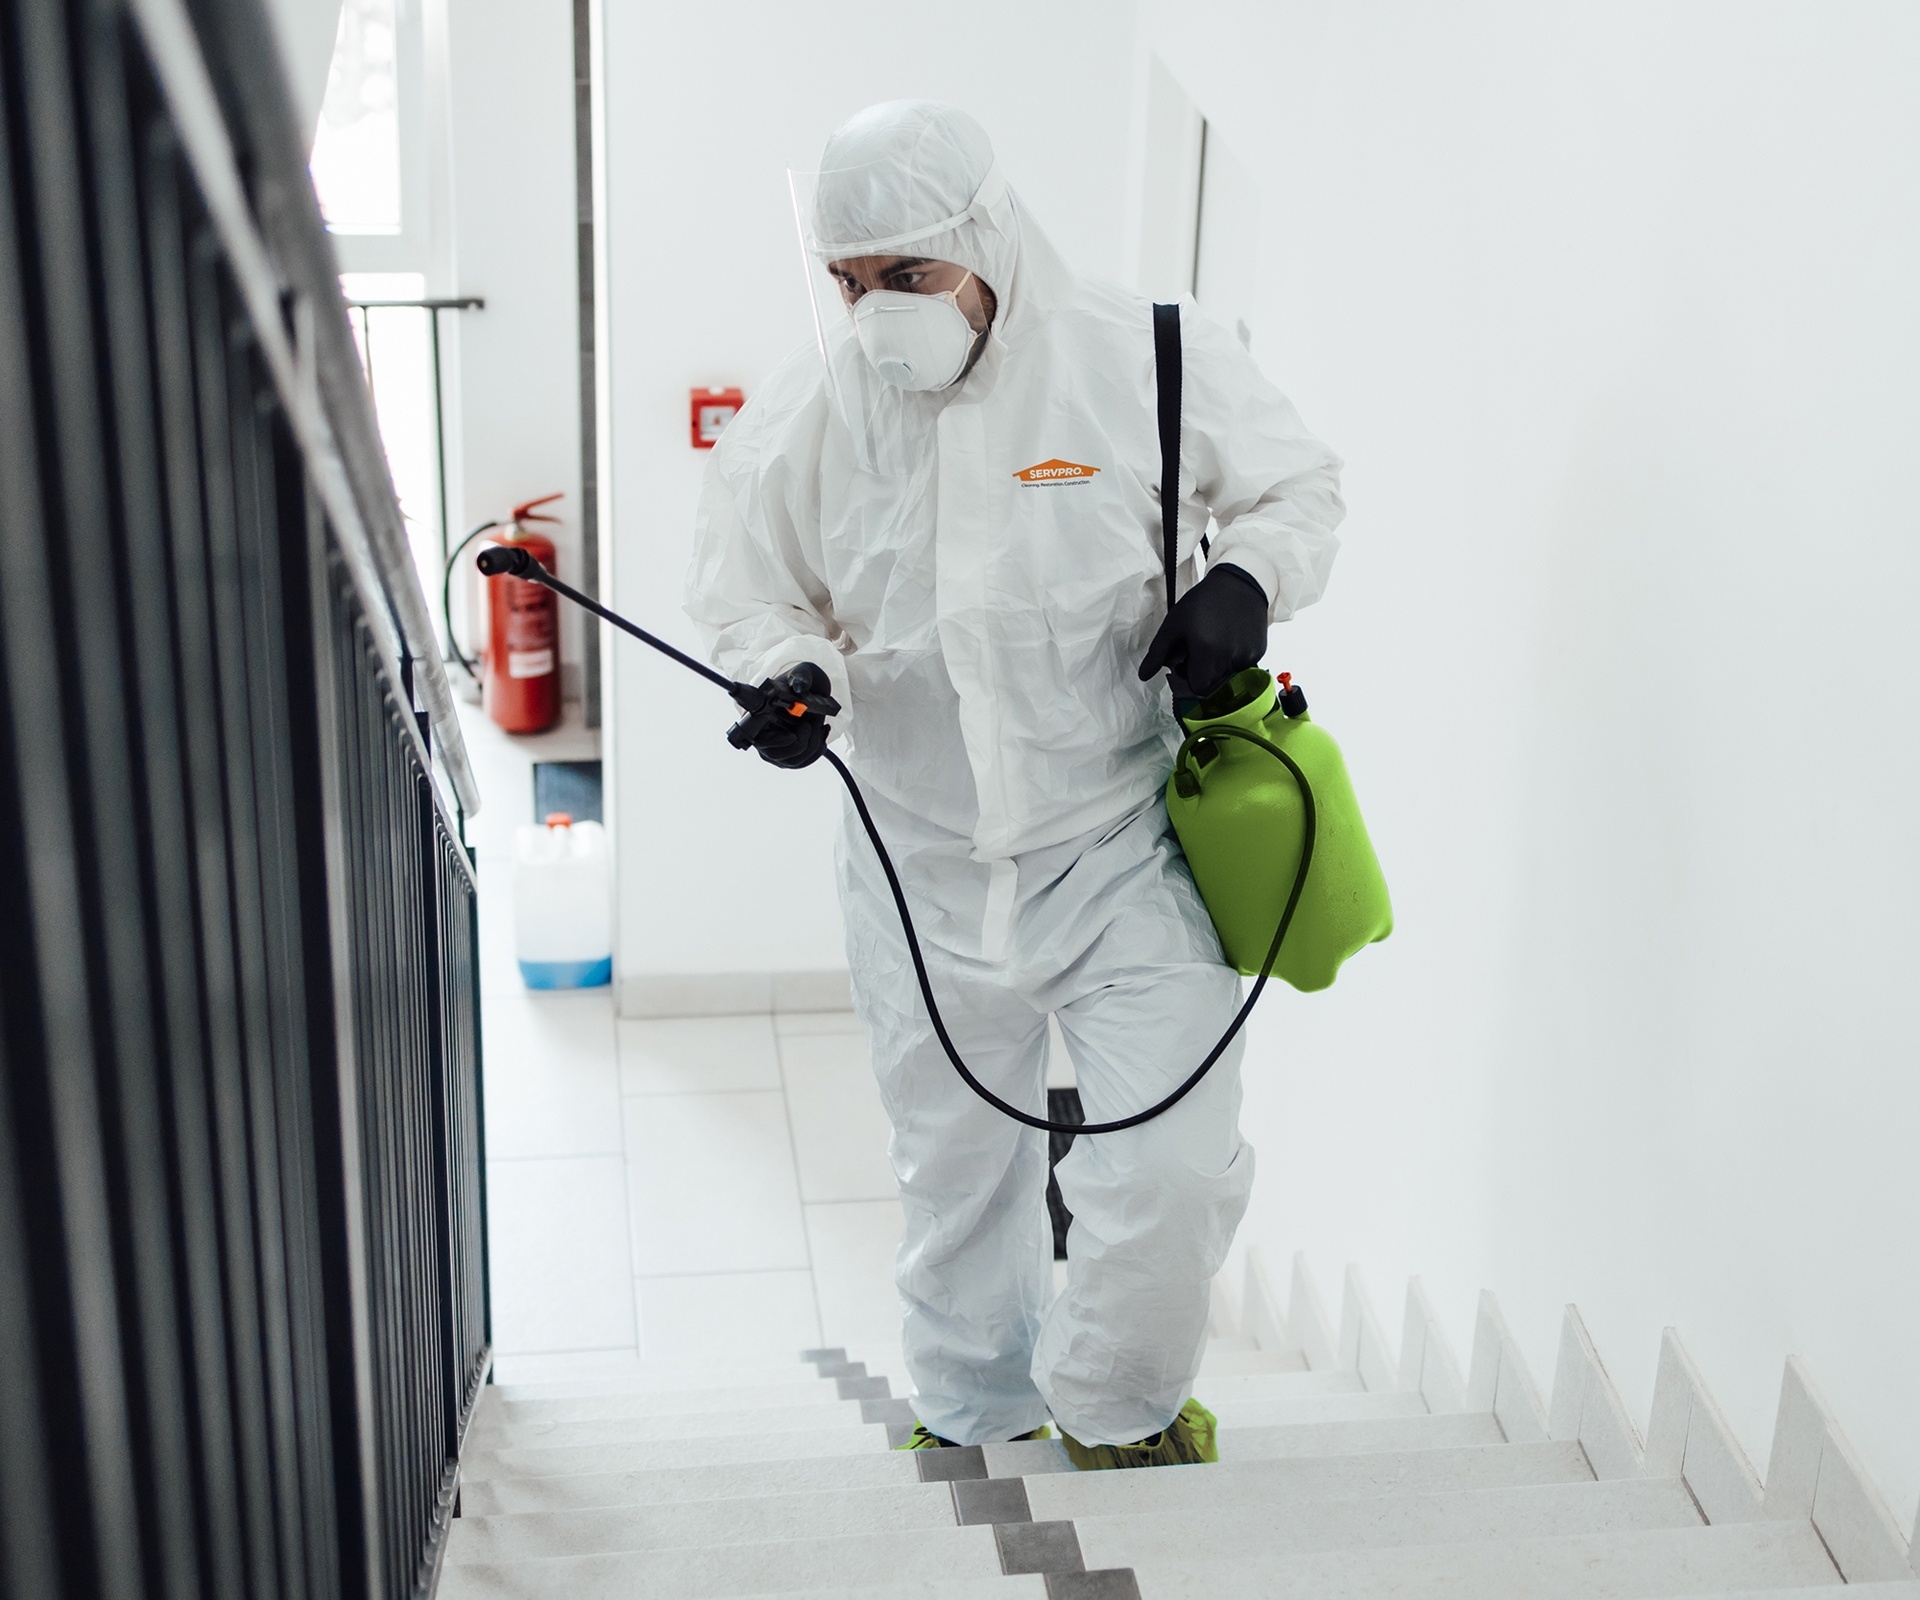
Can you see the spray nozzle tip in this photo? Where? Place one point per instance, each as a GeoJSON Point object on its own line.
{"type": "Point", "coordinates": [501, 558]}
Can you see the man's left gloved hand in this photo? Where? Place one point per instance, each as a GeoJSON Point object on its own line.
{"type": "Point", "coordinates": [790, 741]}
{"type": "Point", "coordinates": [1218, 628]}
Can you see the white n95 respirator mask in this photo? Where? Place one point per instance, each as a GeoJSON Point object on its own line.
{"type": "Point", "coordinates": [915, 341]}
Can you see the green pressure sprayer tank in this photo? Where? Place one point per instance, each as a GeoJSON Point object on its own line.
{"type": "Point", "coordinates": [1243, 822]}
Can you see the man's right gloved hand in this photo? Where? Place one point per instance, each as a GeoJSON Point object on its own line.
{"type": "Point", "coordinates": [787, 740]}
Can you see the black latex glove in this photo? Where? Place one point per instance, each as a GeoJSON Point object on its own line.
{"type": "Point", "coordinates": [789, 741]}
{"type": "Point", "coordinates": [1218, 628]}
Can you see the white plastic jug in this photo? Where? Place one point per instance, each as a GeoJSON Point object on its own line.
{"type": "Point", "coordinates": [562, 906]}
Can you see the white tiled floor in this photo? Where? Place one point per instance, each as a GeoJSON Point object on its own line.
{"type": "Point", "coordinates": [712, 1184]}
{"type": "Point", "coordinates": [727, 1318]}
{"type": "Point", "coordinates": [839, 1129]}
{"type": "Point", "coordinates": [800, 1237]}
{"type": "Point", "coordinates": [692, 1055]}
{"type": "Point", "coordinates": [853, 1243]}
{"type": "Point", "coordinates": [683, 1192]}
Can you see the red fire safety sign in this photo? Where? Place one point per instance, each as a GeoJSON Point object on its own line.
{"type": "Point", "coordinates": [712, 410]}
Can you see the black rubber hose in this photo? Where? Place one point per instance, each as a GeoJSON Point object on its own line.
{"type": "Point", "coordinates": [1213, 1055]}
{"type": "Point", "coordinates": [535, 573]}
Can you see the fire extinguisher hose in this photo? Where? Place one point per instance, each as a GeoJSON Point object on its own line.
{"type": "Point", "coordinates": [446, 598]}
{"type": "Point", "coordinates": [506, 559]}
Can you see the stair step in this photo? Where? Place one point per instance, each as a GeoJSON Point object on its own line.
{"type": "Point", "coordinates": [1215, 1361]}
{"type": "Point", "coordinates": [607, 1399]}
{"type": "Point", "coordinates": [735, 1571]}
{"type": "Point", "coordinates": [546, 1535]}
{"type": "Point", "coordinates": [1364, 1437]}
{"type": "Point", "coordinates": [1229, 1389]}
{"type": "Point", "coordinates": [1886, 1589]}
{"type": "Point", "coordinates": [1232, 1341]}
{"type": "Point", "coordinates": [1283, 1532]}
{"type": "Point", "coordinates": [484, 1462]}
{"type": "Point", "coordinates": [661, 1486]}
{"type": "Point", "coordinates": [827, 1417]}
{"type": "Point", "coordinates": [639, 1379]}
{"type": "Point", "coordinates": [1616, 1505]}
{"type": "Point", "coordinates": [1278, 1484]}
{"type": "Point", "coordinates": [1358, 1436]}
{"type": "Point", "coordinates": [672, 1402]}
{"type": "Point", "coordinates": [1293, 1409]}
{"type": "Point", "coordinates": [1662, 1564]}
{"type": "Point", "coordinates": [1231, 1363]}
{"type": "Point", "coordinates": [500, 1426]}
{"type": "Point", "coordinates": [1031, 1586]}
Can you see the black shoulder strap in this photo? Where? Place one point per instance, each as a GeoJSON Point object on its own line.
{"type": "Point", "coordinates": [1166, 366]}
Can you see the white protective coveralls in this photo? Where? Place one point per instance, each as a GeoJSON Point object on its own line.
{"type": "Point", "coordinates": [982, 630]}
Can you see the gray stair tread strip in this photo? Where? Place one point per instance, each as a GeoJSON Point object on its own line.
{"type": "Point", "coordinates": [1140, 1539]}
{"type": "Point", "coordinates": [951, 1465]}
{"type": "Point", "coordinates": [1660, 1565]}
{"type": "Point", "coordinates": [1027, 1457]}
{"type": "Point", "coordinates": [680, 1425]}
{"type": "Point", "coordinates": [676, 1485]}
{"type": "Point", "coordinates": [1112, 1583]}
{"type": "Point", "coordinates": [1296, 1478]}
{"type": "Point", "coordinates": [1038, 1547]}
{"type": "Point", "coordinates": [990, 1500]}
{"type": "Point", "coordinates": [724, 1572]}
{"type": "Point", "coordinates": [544, 1535]}
{"type": "Point", "coordinates": [484, 1462]}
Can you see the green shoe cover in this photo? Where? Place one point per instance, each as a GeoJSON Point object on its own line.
{"type": "Point", "coordinates": [1188, 1438]}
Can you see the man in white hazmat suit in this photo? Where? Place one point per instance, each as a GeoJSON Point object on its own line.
{"type": "Point", "coordinates": [948, 517]}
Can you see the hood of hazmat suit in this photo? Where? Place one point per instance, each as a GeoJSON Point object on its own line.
{"type": "Point", "coordinates": [977, 568]}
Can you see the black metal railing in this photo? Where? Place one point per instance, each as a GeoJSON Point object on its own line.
{"type": "Point", "coordinates": [243, 1281]}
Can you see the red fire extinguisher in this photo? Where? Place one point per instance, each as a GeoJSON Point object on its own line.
{"type": "Point", "coordinates": [521, 679]}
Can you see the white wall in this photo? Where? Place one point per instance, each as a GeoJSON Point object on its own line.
{"type": "Point", "coordinates": [1612, 310]}
{"type": "Point", "coordinates": [515, 364]}
{"type": "Point", "coordinates": [725, 863]}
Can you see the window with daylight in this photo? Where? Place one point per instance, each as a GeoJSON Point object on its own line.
{"type": "Point", "coordinates": [396, 352]}
{"type": "Point", "coordinates": [376, 171]}
{"type": "Point", "coordinates": [356, 152]}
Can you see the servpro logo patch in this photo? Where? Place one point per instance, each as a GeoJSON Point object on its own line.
{"type": "Point", "coordinates": [1056, 471]}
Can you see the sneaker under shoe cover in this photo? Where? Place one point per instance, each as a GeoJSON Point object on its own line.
{"type": "Point", "coordinates": [921, 1439]}
{"type": "Point", "coordinates": [1188, 1438]}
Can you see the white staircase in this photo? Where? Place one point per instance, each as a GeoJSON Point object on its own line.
{"type": "Point", "coordinates": [1342, 1475]}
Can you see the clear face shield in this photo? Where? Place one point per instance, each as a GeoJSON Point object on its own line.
{"type": "Point", "coordinates": [896, 327]}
